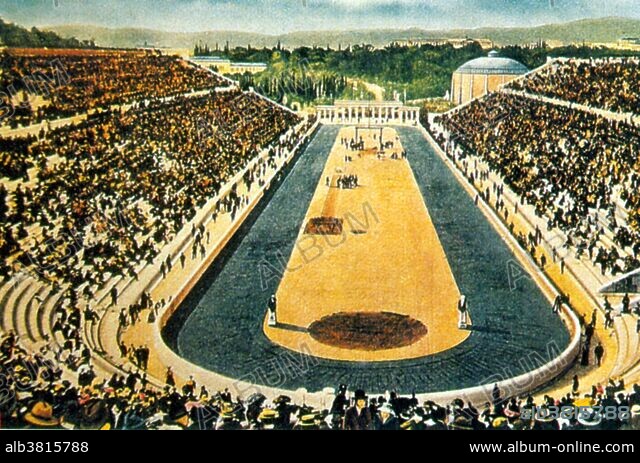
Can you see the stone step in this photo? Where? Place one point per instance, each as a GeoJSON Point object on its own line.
{"type": "Point", "coordinates": [20, 309]}
{"type": "Point", "coordinates": [8, 302]}
{"type": "Point", "coordinates": [32, 313]}
{"type": "Point", "coordinates": [5, 288]}
{"type": "Point", "coordinates": [45, 315]}
{"type": "Point", "coordinates": [627, 345]}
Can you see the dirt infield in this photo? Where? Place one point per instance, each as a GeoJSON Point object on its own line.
{"type": "Point", "coordinates": [222, 328]}
{"type": "Point", "coordinates": [331, 200]}
{"type": "Point", "coordinates": [387, 259]}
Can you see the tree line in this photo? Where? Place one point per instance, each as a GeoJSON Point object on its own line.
{"type": "Point", "coordinates": [12, 35]}
{"type": "Point", "coordinates": [420, 71]}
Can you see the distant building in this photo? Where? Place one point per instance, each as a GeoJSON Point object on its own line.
{"type": "Point", "coordinates": [253, 68]}
{"type": "Point", "coordinates": [456, 43]}
{"type": "Point", "coordinates": [368, 112]}
{"type": "Point", "coordinates": [535, 45]}
{"type": "Point", "coordinates": [225, 66]}
{"type": "Point", "coordinates": [631, 40]}
{"type": "Point", "coordinates": [222, 65]}
{"type": "Point", "coordinates": [483, 75]}
{"type": "Point", "coordinates": [628, 43]}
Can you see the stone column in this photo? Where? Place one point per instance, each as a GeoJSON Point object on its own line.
{"type": "Point", "coordinates": [453, 88]}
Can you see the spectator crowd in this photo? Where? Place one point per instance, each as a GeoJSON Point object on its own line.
{"type": "Point", "coordinates": [107, 193]}
{"type": "Point", "coordinates": [100, 198]}
{"type": "Point", "coordinates": [612, 84]}
{"type": "Point", "coordinates": [41, 84]}
{"type": "Point", "coordinates": [36, 395]}
{"type": "Point", "coordinates": [577, 169]}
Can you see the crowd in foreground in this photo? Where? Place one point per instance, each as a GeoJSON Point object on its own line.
{"type": "Point", "coordinates": [37, 394]}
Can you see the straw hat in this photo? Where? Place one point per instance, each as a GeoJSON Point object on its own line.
{"type": "Point", "coordinates": [589, 417]}
{"type": "Point", "coordinates": [308, 421]}
{"type": "Point", "coordinates": [41, 414]}
{"type": "Point", "coordinates": [500, 423]}
{"type": "Point", "coordinates": [267, 416]}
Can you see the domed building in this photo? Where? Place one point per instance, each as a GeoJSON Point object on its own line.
{"type": "Point", "coordinates": [483, 75]}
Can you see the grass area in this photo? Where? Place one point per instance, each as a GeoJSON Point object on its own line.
{"type": "Point", "coordinates": [318, 75]}
{"type": "Point", "coordinates": [434, 105]}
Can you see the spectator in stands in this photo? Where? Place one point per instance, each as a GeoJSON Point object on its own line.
{"type": "Point", "coordinates": [75, 81]}
{"type": "Point", "coordinates": [387, 420]}
{"type": "Point", "coordinates": [574, 167]}
{"type": "Point", "coordinates": [606, 83]}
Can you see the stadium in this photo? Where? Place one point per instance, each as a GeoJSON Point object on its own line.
{"type": "Point", "coordinates": [183, 251]}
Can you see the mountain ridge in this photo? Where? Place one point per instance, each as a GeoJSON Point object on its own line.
{"type": "Point", "coordinates": [601, 30]}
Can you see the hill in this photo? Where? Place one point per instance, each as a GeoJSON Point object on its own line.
{"type": "Point", "coordinates": [12, 35]}
{"type": "Point", "coordinates": [589, 30]}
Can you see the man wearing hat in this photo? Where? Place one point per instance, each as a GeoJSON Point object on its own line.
{"type": "Point", "coordinates": [227, 420]}
{"type": "Point", "coordinates": [268, 419]}
{"type": "Point", "coordinates": [41, 416]}
{"type": "Point", "coordinates": [387, 420]}
{"type": "Point", "coordinates": [95, 415]}
{"type": "Point", "coordinates": [435, 416]}
{"type": "Point", "coordinates": [599, 353]}
{"type": "Point", "coordinates": [177, 419]}
{"type": "Point", "coordinates": [271, 310]}
{"type": "Point", "coordinates": [340, 402]}
{"type": "Point", "coordinates": [634, 397]}
{"type": "Point", "coordinates": [285, 409]}
{"type": "Point", "coordinates": [544, 420]}
{"type": "Point", "coordinates": [463, 312]}
{"type": "Point", "coordinates": [588, 419]}
{"type": "Point", "coordinates": [307, 423]}
{"type": "Point", "coordinates": [358, 417]}
{"type": "Point", "coordinates": [501, 423]}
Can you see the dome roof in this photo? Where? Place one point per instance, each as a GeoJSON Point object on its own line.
{"type": "Point", "coordinates": [493, 64]}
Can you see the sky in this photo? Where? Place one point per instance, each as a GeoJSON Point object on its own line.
{"type": "Point", "coordinates": [282, 16]}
